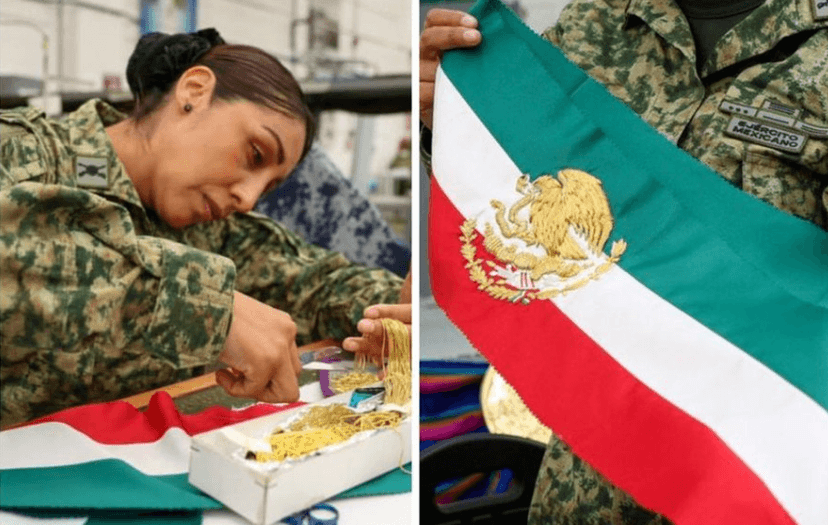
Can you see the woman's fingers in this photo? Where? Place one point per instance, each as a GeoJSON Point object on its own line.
{"type": "Point", "coordinates": [400, 312]}
{"type": "Point", "coordinates": [447, 29]}
{"type": "Point", "coordinates": [371, 341]}
{"type": "Point", "coordinates": [435, 40]}
{"type": "Point", "coordinates": [444, 29]}
{"type": "Point", "coordinates": [363, 345]}
{"type": "Point", "coordinates": [449, 17]}
{"type": "Point", "coordinates": [261, 351]}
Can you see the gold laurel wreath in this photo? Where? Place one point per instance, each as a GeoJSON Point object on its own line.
{"type": "Point", "coordinates": [475, 266]}
{"type": "Point", "coordinates": [494, 288]}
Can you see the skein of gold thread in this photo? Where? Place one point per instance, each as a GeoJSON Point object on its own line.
{"type": "Point", "coordinates": [330, 424]}
{"type": "Point", "coordinates": [397, 346]}
{"type": "Point", "coordinates": [323, 426]}
{"type": "Point", "coordinates": [398, 371]}
{"type": "Point", "coordinates": [352, 380]}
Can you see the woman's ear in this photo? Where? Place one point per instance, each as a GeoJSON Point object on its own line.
{"type": "Point", "coordinates": [194, 89]}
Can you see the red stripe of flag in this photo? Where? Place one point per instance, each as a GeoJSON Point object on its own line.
{"type": "Point", "coordinates": [119, 423]}
{"type": "Point", "coordinates": [666, 459]}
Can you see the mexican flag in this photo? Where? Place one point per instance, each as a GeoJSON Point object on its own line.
{"type": "Point", "coordinates": [110, 462]}
{"type": "Point", "coordinates": [672, 329]}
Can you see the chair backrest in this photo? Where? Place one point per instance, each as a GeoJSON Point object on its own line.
{"type": "Point", "coordinates": [479, 454]}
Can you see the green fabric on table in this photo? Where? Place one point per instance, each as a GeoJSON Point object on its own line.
{"type": "Point", "coordinates": [133, 510]}
{"type": "Point", "coordinates": [126, 489]}
{"type": "Point", "coordinates": [393, 482]}
{"type": "Point", "coordinates": [106, 517]}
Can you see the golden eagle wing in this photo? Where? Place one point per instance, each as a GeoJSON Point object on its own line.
{"type": "Point", "coordinates": [585, 207]}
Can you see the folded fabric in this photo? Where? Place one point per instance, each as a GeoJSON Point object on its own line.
{"type": "Point", "coordinates": [111, 462]}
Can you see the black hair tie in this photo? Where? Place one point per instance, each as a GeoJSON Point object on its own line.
{"type": "Point", "coordinates": [159, 59]}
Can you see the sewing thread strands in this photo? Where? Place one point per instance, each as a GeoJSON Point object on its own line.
{"type": "Point", "coordinates": [397, 346]}
{"type": "Point", "coordinates": [330, 424]}
{"type": "Point", "coordinates": [352, 380]}
{"type": "Point", "coordinates": [398, 371]}
{"type": "Point", "coordinates": [323, 426]}
{"type": "Point", "coordinates": [357, 378]}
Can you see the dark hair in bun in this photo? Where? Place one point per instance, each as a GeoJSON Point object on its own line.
{"type": "Point", "coordinates": [244, 72]}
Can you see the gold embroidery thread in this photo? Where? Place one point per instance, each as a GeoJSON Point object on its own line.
{"type": "Point", "coordinates": [559, 248]}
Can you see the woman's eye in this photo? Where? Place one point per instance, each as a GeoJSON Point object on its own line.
{"type": "Point", "coordinates": [258, 157]}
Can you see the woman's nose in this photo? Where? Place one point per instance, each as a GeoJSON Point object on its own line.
{"type": "Point", "coordinates": [245, 194]}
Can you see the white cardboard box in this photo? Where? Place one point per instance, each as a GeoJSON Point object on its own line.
{"type": "Point", "coordinates": [264, 493]}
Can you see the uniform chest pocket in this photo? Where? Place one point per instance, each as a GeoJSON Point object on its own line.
{"type": "Point", "coordinates": [23, 156]}
{"type": "Point", "coordinates": [785, 182]}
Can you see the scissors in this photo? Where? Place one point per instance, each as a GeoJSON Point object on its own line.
{"type": "Point", "coordinates": [328, 358]}
{"type": "Point", "coordinates": [321, 514]}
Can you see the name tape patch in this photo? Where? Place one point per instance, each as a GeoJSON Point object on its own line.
{"type": "Point", "coordinates": [776, 113]}
{"type": "Point", "coordinates": [766, 134]}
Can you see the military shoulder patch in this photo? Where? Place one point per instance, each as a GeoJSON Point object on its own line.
{"type": "Point", "coordinates": [92, 172]}
{"type": "Point", "coordinates": [820, 9]}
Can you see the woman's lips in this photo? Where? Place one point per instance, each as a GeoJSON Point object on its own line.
{"type": "Point", "coordinates": [208, 210]}
{"type": "Point", "coordinates": [214, 212]}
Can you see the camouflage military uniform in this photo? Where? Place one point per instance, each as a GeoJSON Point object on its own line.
{"type": "Point", "coordinates": [101, 299]}
{"type": "Point", "coordinates": [643, 52]}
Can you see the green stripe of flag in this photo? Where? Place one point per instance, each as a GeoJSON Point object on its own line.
{"type": "Point", "coordinates": [105, 484]}
{"type": "Point", "coordinates": [749, 272]}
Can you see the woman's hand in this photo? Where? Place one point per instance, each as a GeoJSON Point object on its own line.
{"type": "Point", "coordinates": [261, 353]}
{"type": "Point", "coordinates": [370, 343]}
{"type": "Point", "coordinates": [444, 29]}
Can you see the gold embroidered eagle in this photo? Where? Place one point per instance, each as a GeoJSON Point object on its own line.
{"type": "Point", "coordinates": [569, 219]}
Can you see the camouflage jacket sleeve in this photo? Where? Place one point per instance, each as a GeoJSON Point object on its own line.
{"type": "Point", "coordinates": [76, 274]}
{"type": "Point", "coordinates": [324, 292]}
{"type": "Point", "coordinates": [80, 282]}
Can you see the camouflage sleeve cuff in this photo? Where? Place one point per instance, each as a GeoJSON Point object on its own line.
{"type": "Point", "coordinates": [194, 304]}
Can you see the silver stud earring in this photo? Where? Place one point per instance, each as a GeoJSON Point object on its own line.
{"type": "Point", "coordinates": [188, 107]}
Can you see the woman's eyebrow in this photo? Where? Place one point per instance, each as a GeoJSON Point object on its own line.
{"type": "Point", "coordinates": [280, 150]}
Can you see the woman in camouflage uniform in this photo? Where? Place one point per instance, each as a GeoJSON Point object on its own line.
{"type": "Point", "coordinates": [129, 258]}
{"type": "Point", "coordinates": [693, 69]}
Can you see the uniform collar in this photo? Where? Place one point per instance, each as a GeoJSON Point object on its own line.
{"type": "Point", "coordinates": [759, 32]}
{"type": "Point", "coordinates": [762, 30]}
{"type": "Point", "coordinates": [666, 19]}
{"type": "Point", "coordinates": [91, 145]}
